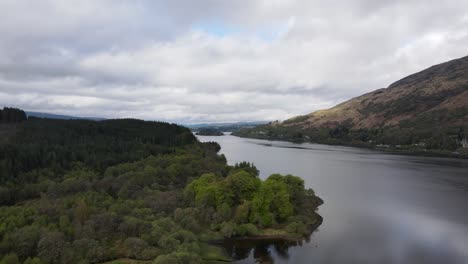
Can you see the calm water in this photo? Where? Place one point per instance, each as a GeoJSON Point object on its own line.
{"type": "Point", "coordinates": [379, 208]}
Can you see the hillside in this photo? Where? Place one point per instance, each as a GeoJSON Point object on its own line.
{"type": "Point", "coordinates": [55, 116]}
{"type": "Point", "coordinates": [225, 127]}
{"type": "Point", "coordinates": [208, 131]}
{"type": "Point", "coordinates": [429, 108]}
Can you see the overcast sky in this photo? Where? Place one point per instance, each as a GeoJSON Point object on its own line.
{"type": "Point", "coordinates": [216, 60]}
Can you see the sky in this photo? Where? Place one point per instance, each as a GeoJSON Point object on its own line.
{"type": "Point", "coordinates": [199, 61]}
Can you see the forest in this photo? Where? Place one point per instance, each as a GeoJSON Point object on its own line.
{"type": "Point", "coordinates": [118, 191]}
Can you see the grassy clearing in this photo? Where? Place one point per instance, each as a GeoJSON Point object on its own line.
{"type": "Point", "coordinates": [213, 254]}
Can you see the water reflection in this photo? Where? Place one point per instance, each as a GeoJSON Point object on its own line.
{"type": "Point", "coordinates": [260, 250]}
{"type": "Point", "coordinates": [380, 237]}
{"type": "Point", "coordinates": [379, 208]}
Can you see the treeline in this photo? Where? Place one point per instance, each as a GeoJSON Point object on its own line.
{"type": "Point", "coordinates": [12, 115]}
{"type": "Point", "coordinates": [58, 144]}
{"type": "Point", "coordinates": [79, 191]}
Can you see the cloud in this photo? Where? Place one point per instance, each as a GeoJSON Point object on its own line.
{"type": "Point", "coordinates": [213, 61]}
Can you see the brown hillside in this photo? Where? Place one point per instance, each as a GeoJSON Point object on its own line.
{"type": "Point", "coordinates": [442, 87]}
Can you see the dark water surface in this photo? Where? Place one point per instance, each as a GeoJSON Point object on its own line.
{"type": "Point", "coordinates": [379, 208]}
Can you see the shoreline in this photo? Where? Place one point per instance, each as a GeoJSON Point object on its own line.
{"type": "Point", "coordinates": [283, 237]}
{"type": "Point", "coordinates": [291, 240]}
{"type": "Point", "coordinates": [392, 151]}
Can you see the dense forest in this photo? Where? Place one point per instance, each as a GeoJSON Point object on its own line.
{"type": "Point", "coordinates": [80, 191]}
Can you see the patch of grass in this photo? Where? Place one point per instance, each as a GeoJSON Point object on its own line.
{"type": "Point", "coordinates": [213, 254]}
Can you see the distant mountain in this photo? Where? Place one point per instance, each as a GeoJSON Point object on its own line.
{"type": "Point", "coordinates": [54, 116]}
{"type": "Point", "coordinates": [428, 108]}
{"type": "Point", "coordinates": [225, 127]}
{"type": "Point", "coordinates": [208, 131]}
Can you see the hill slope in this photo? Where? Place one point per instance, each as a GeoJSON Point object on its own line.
{"type": "Point", "coordinates": [430, 106]}
{"type": "Point", "coordinates": [55, 116]}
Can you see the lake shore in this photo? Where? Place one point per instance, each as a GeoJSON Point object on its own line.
{"type": "Point", "coordinates": [267, 236]}
{"type": "Point", "coordinates": [384, 149]}
{"type": "Point", "coordinates": [372, 199]}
